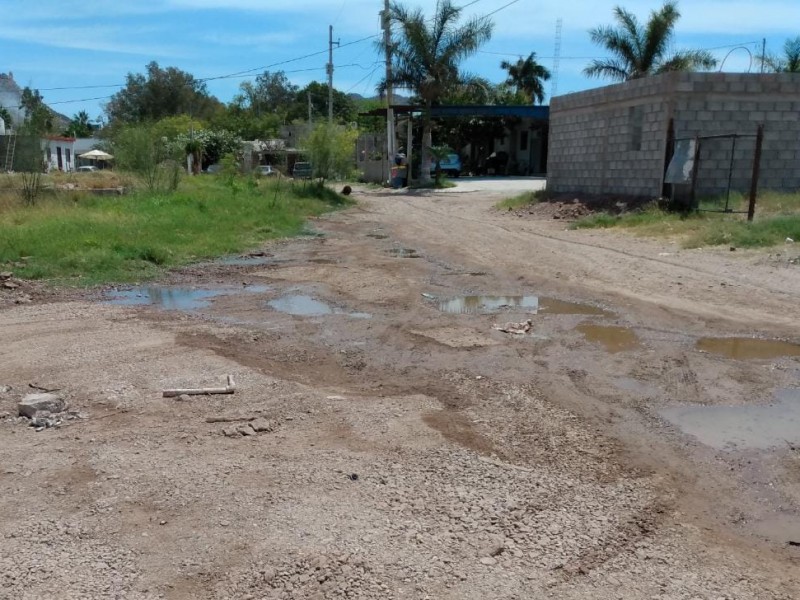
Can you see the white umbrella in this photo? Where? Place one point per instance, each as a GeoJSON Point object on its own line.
{"type": "Point", "coordinates": [96, 155]}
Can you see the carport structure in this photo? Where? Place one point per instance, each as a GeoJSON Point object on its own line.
{"type": "Point", "coordinates": [493, 139]}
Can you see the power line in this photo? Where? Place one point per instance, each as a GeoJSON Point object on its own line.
{"type": "Point", "coordinates": [494, 12]}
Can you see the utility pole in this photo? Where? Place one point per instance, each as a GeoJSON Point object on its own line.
{"type": "Point", "coordinates": [387, 41]}
{"type": "Point", "coordinates": [330, 73]}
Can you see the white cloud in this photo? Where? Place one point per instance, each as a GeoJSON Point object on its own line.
{"type": "Point", "coordinates": [96, 39]}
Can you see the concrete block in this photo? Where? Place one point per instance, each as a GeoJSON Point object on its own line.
{"type": "Point", "coordinates": [32, 404]}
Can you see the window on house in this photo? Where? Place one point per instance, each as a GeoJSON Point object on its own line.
{"type": "Point", "coordinates": [523, 140]}
{"type": "Point", "coordinates": [636, 122]}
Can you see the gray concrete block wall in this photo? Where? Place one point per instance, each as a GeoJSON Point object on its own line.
{"type": "Point", "coordinates": [590, 132]}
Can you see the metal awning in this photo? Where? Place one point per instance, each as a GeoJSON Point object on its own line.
{"type": "Point", "coordinates": [539, 113]}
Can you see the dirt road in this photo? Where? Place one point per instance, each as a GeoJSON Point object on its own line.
{"type": "Point", "coordinates": [378, 446]}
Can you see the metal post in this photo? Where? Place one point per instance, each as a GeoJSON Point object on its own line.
{"type": "Point", "coordinates": [751, 209]}
{"type": "Point", "coordinates": [670, 152]}
{"type": "Point", "coordinates": [695, 168]}
{"type": "Point", "coordinates": [409, 151]}
{"type": "Point", "coordinates": [730, 174]}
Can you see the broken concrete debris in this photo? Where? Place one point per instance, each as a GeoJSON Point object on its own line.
{"type": "Point", "coordinates": [253, 427]}
{"type": "Point", "coordinates": [33, 404]}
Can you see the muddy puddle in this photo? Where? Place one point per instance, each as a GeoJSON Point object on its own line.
{"type": "Point", "coordinates": [612, 338]}
{"type": "Point", "coordinates": [530, 304]}
{"type": "Point", "coordinates": [176, 298]}
{"type": "Point", "coordinates": [748, 348]}
{"type": "Point", "coordinates": [742, 427]}
{"type": "Point", "coordinates": [302, 305]}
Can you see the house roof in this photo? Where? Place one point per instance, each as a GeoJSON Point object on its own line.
{"type": "Point", "coordinates": [540, 113]}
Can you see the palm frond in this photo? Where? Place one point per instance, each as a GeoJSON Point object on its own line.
{"type": "Point", "coordinates": [688, 60]}
{"type": "Point", "coordinates": [613, 69]}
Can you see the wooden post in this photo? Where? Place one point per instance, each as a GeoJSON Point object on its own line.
{"type": "Point", "coordinates": [751, 209]}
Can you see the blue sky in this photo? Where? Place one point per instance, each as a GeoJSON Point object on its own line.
{"type": "Point", "coordinates": [55, 44]}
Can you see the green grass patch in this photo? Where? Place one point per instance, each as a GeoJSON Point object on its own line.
{"type": "Point", "coordinates": [522, 200]}
{"type": "Point", "coordinates": [777, 218]}
{"type": "Point", "coordinates": [88, 240]}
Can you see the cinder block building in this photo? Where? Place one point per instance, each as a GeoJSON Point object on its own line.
{"type": "Point", "coordinates": [613, 139]}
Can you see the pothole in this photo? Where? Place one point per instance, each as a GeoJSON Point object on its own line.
{"type": "Point", "coordinates": [302, 305]}
{"type": "Point", "coordinates": [748, 348]}
{"type": "Point", "coordinates": [612, 338]}
{"type": "Point", "coordinates": [742, 427]}
{"type": "Point", "coordinates": [175, 298]}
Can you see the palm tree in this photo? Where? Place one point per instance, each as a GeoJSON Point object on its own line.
{"type": "Point", "coordinates": [527, 76]}
{"type": "Point", "coordinates": [639, 50]}
{"type": "Point", "coordinates": [427, 54]}
{"type": "Point", "coordinates": [789, 62]}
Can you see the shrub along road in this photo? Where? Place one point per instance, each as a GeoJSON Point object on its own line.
{"type": "Point", "coordinates": [397, 451]}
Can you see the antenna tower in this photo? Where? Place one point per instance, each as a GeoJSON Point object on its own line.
{"type": "Point", "coordinates": [556, 59]}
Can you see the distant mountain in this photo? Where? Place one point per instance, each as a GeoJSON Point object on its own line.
{"type": "Point", "coordinates": [10, 95]}
{"type": "Point", "coordinates": [10, 98]}
{"type": "Point", "coordinates": [398, 98]}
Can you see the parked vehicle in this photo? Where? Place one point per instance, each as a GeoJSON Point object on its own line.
{"type": "Point", "coordinates": [450, 165]}
{"type": "Point", "coordinates": [215, 168]}
{"type": "Point", "coordinates": [266, 171]}
{"type": "Point", "coordinates": [87, 169]}
{"type": "Point", "coordinates": [302, 170]}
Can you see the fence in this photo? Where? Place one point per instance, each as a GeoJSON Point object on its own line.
{"type": "Point", "coordinates": [713, 166]}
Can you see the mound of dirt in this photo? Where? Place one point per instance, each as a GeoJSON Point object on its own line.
{"type": "Point", "coordinates": [572, 207]}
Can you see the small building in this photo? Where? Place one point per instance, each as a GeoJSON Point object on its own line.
{"type": "Point", "coordinates": [59, 153]}
{"type": "Point", "coordinates": [515, 145]}
{"type": "Point", "coordinates": [617, 139]}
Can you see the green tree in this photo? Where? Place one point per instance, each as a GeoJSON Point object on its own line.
{"type": "Point", "coordinates": [330, 148]}
{"type": "Point", "coordinates": [641, 50]}
{"type": "Point", "coordinates": [269, 93]}
{"type": "Point", "coordinates": [160, 93]}
{"type": "Point", "coordinates": [80, 126]}
{"type": "Point", "coordinates": [344, 107]}
{"type": "Point", "coordinates": [427, 54]}
{"type": "Point", "coordinates": [789, 61]}
{"type": "Point", "coordinates": [527, 76]}
{"type": "Point", "coordinates": [6, 116]}
{"type": "Point", "coordinates": [171, 127]}
{"type": "Point", "coordinates": [39, 119]}
{"type": "Point", "coordinates": [138, 149]}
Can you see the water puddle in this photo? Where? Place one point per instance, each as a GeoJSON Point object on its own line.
{"type": "Point", "coordinates": [302, 305]}
{"type": "Point", "coordinates": [176, 298]}
{"type": "Point", "coordinates": [742, 427]}
{"type": "Point", "coordinates": [403, 252]}
{"type": "Point", "coordinates": [530, 304]}
{"type": "Point", "coordinates": [748, 348]}
{"type": "Point", "coordinates": [613, 339]}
